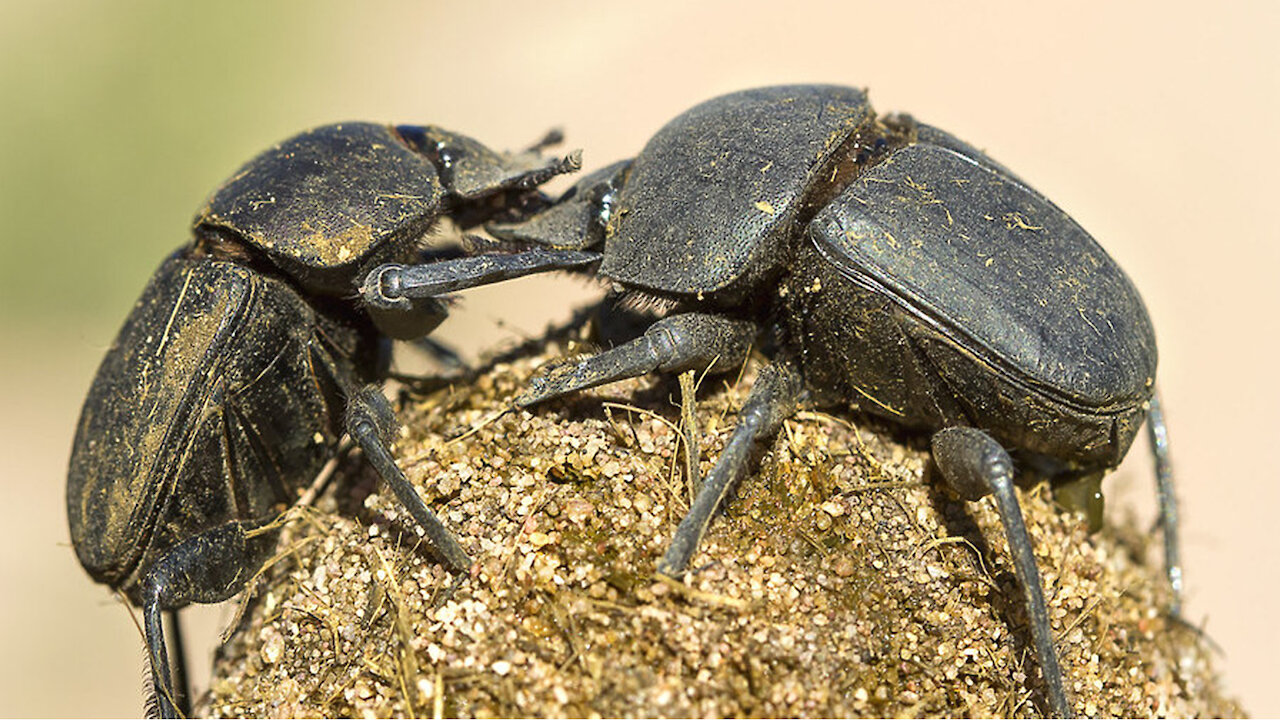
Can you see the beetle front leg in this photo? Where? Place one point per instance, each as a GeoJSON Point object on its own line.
{"type": "Point", "coordinates": [371, 423]}
{"type": "Point", "coordinates": [393, 287]}
{"type": "Point", "coordinates": [974, 465]}
{"type": "Point", "coordinates": [470, 170]}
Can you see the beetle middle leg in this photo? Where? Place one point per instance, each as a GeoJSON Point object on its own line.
{"type": "Point", "coordinates": [974, 465]}
{"type": "Point", "coordinates": [676, 343]}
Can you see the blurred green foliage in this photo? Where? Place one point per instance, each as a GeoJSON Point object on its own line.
{"type": "Point", "coordinates": [118, 119]}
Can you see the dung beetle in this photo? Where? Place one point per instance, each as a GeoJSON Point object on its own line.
{"type": "Point", "coordinates": [887, 266]}
{"type": "Point", "coordinates": [246, 359]}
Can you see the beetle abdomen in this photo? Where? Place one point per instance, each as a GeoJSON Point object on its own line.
{"type": "Point", "coordinates": [999, 269]}
{"type": "Point", "coordinates": [863, 347]}
{"type": "Point", "coordinates": [215, 399]}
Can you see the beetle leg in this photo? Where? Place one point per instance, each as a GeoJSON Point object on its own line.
{"type": "Point", "coordinates": [975, 465]}
{"type": "Point", "coordinates": [207, 567]}
{"type": "Point", "coordinates": [391, 287]}
{"type": "Point", "coordinates": [773, 399]}
{"type": "Point", "coordinates": [1159, 436]}
{"type": "Point", "coordinates": [371, 423]}
{"type": "Point", "coordinates": [181, 686]}
{"type": "Point", "coordinates": [689, 341]}
{"type": "Point", "coordinates": [443, 353]}
{"type": "Point", "coordinates": [553, 137]}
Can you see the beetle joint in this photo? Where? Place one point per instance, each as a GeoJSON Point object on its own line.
{"type": "Point", "coordinates": [384, 288]}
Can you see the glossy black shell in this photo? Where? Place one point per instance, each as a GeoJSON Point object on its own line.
{"type": "Point", "coordinates": [329, 201]}
{"type": "Point", "coordinates": [226, 386]}
{"type": "Point", "coordinates": [912, 275]}
{"type": "Point", "coordinates": [221, 393]}
{"type": "Point", "coordinates": [711, 202]}
{"type": "Point", "coordinates": [939, 289]}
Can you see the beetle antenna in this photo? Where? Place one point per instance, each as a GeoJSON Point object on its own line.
{"type": "Point", "coordinates": [475, 244]}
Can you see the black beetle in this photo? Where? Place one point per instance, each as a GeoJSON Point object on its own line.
{"type": "Point", "coordinates": [891, 267]}
{"type": "Point", "coordinates": [246, 359]}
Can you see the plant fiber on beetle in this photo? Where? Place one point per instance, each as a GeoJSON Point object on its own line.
{"type": "Point", "coordinates": [839, 581]}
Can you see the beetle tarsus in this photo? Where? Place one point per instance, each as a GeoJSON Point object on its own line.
{"type": "Point", "coordinates": [443, 353]}
{"type": "Point", "coordinates": [180, 685]}
{"type": "Point", "coordinates": [470, 170]}
{"type": "Point", "coordinates": [553, 137]}
{"type": "Point", "coordinates": [975, 465]}
{"type": "Point", "coordinates": [158, 654]}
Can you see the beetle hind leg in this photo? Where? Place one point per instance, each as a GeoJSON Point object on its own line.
{"type": "Point", "coordinates": [181, 685]}
{"type": "Point", "coordinates": [1168, 501]}
{"type": "Point", "coordinates": [207, 567]}
{"type": "Point", "coordinates": [975, 465]}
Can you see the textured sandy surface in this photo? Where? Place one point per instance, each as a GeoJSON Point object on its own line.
{"type": "Point", "coordinates": [838, 582]}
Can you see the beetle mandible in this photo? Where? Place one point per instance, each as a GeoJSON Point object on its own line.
{"type": "Point", "coordinates": [891, 267]}
{"type": "Point", "coordinates": [245, 360]}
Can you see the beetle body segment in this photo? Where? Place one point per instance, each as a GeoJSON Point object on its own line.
{"type": "Point", "coordinates": [970, 280]}
{"type": "Point", "coordinates": [997, 263]}
{"type": "Point", "coordinates": [705, 210]}
{"type": "Point", "coordinates": [219, 396]}
{"type": "Point", "coordinates": [863, 348]}
{"type": "Point", "coordinates": [320, 203]}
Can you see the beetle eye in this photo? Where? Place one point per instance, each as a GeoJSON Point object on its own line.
{"type": "Point", "coordinates": [606, 207]}
{"type": "Point", "coordinates": [445, 155]}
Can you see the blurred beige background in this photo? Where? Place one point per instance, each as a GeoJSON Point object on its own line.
{"type": "Point", "coordinates": [1153, 124]}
